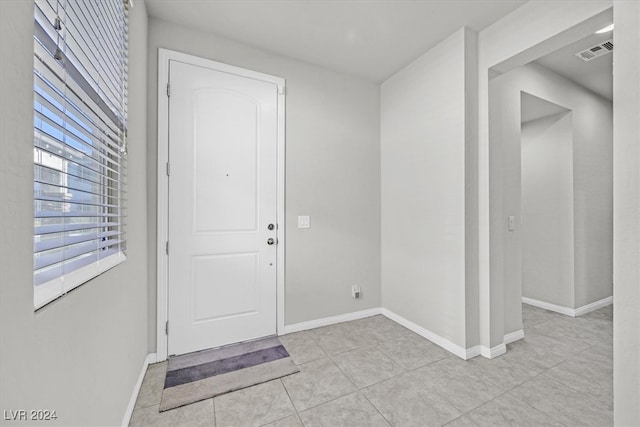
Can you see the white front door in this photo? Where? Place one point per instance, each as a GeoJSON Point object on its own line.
{"type": "Point", "coordinates": [222, 207]}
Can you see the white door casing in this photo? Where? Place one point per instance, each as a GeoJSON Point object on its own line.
{"type": "Point", "coordinates": [224, 146]}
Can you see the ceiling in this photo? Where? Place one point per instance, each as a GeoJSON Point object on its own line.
{"type": "Point", "coordinates": [595, 75]}
{"type": "Point", "coordinates": [371, 39]}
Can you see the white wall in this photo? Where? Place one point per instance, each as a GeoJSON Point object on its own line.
{"type": "Point", "coordinates": [626, 292]}
{"type": "Point", "coordinates": [527, 33]}
{"type": "Point", "coordinates": [80, 355]}
{"type": "Point", "coordinates": [547, 210]}
{"type": "Point", "coordinates": [592, 181]}
{"type": "Point", "coordinates": [332, 174]}
{"type": "Point", "coordinates": [423, 136]}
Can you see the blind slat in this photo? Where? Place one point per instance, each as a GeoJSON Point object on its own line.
{"type": "Point", "coordinates": [72, 71]}
{"type": "Point", "coordinates": [59, 228]}
{"type": "Point", "coordinates": [52, 75]}
{"type": "Point", "coordinates": [91, 53]}
{"type": "Point", "coordinates": [54, 214]}
{"type": "Point", "coordinates": [92, 178]}
{"type": "Point", "coordinates": [54, 103]}
{"type": "Point", "coordinates": [69, 202]}
{"type": "Point", "coordinates": [58, 128]}
{"type": "Point", "coordinates": [43, 259]}
{"type": "Point", "coordinates": [46, 187]}
{"type": "Point", "coordinates": [53, 243]}
{"type": "Point", "coordinates": [46, 275]}
{"type": "Point", "coordinates": [51, 147]}
{"type": "Point", "coordinates": [67, 152]}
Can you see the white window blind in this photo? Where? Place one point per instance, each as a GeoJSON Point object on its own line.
{"type": "Point", "coordinates": [80, 123]}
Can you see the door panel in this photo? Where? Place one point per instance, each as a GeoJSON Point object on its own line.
{"type": "Point", "coordinates": [222, 197]}
{"type": "Point", "coordinates": [229, 143]}
{"type": "Point", "coordinates": [234, 294]}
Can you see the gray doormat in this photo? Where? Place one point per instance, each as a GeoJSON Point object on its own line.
{"type": "Point", "coordinates": [198, 376]}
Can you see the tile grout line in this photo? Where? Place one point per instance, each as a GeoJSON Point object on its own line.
{"type": "Point", "coordinates": [515, 397]}
{"type": "Point", "coordinates": [533, 407]}
{"type": "Point", "coordinates": [376, 408]}
{"type": "Point", "coordinates": [542, 373]}
{"type": "Point", "coordinates": [331, 400]}
{"type": "Point", "coordinates": [328, 401]}
{"type": "Point", "coordinates": [505, 391]}
{"type": "Point", "coordinates": [357, 389]}
{"type": "Point", "coordinates": [576, 390]}
{"type": "Point", "coordinates": [297, 413]}
{"type": "Point", "coordinates": [377, 382]}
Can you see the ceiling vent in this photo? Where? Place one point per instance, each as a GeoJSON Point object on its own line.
{"type": "Point", "coordinates": [596, 51]}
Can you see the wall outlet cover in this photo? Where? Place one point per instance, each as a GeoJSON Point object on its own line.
{"type": "Point", "coordinates": [304, 221]}
{"type": "Point", "coordinates": [355, 291]}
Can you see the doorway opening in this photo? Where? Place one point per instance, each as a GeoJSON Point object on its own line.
{"type": "Point", "coordinates": [551, 144]}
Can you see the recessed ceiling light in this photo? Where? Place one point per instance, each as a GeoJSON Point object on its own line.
{"type": "Point", "coordinates": [605, 29]}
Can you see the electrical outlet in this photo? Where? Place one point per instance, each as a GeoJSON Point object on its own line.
{"type": "Point", "coordinates": [355, 291]}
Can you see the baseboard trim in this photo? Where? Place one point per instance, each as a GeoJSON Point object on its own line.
{"type": "Point", "coordinates": [451, 347]}
{"type": "Point", "coordinates": [594, 306]}
{"type": "Point", "coordinates": [493, 352]}
{"type": "Point", "coordinates": [501, 349]}
{"type": "Point", "coordinates": [433, 337]}
{"type": "Point", "coordinates": [572, 312]}
{"type": "Point", "coordinates": [548, 306]}
{"type": "Point", "coordinates": [513, 336]}
{"type": "Point", "coordinates": [151, 358]}
{"type": "Point", "coordinates": [326, 321]}
{"type": "Point", "coordinates": [473, 352]}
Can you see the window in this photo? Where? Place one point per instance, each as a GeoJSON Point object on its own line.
{"type": "Point", "coordinates": [79, 144]}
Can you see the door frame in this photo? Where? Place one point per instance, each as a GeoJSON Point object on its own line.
{"type": "Point", "coordinates": [162, 204]}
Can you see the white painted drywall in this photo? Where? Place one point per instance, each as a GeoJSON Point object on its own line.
{"type": "Point", "coordinates": [471, 189]}
{"type": "Point", "coordinates": [592, 180]}
{"type": "Point", "coordinates": [423, 190]}
{"type": "Point", "coordinates": [332, 175]}
{"type": "Point", "coordinates": [530, 31]}
{"type": "Point", "coordinates": [547, 210]}
{"type": "Point", "coordinates": [626, 220]}
{"type": "Point", "coordinates": [80, 355]}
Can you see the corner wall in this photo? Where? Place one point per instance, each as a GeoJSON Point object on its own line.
{"type": "Point", "coordinates": [626, 220]}
{"type": "Point", "coordinates": [332, 174]}
{"type": "Point", "coordinates": [81, 355]}
{"type": "Point", "coordinates": [424, 139]}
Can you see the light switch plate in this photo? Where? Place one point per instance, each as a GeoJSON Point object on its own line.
{"type": "Point", "coordinates": [304, 221]}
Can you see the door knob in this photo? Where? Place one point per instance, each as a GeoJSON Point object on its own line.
{"type": "Point", "coordinates": [270, 241]}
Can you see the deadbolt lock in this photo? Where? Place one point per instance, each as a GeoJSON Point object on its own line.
{"type": "Point", "coordinates": [271, 226]}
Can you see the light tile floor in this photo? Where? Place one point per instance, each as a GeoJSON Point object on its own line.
{"type": "Point", "coordinates": [374, 372]}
